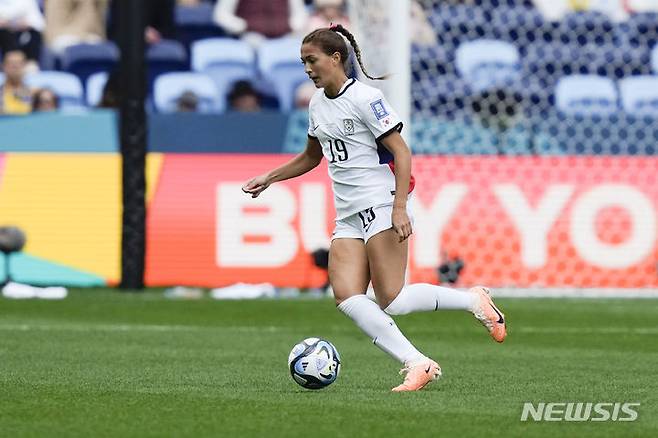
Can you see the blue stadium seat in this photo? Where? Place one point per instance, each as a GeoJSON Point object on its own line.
{"type": "Point", "coordinates": [617, 61]}
{"type": "Point", "coordinates": [520, 25]}
{"type": "Point", "coordinates": [279, 64]}
{"type": "Point", "coordinates": [545, 62]}
{"type": "Point", "coordinates": [225, 60]}
{"type": "Point", "coordinates": [586, 95]}
{"type": "Point", "coordinates": [84, 60]}
{"type": "Point", "coordinates": [585, 27]}
{"type": "Point", "coordinates": [456, 23]}
{"type": "Point", "coordinates": [48, 60]}
{"type": "Point", "coordinates": [431, 60]}
{"type": "Point", "coordinates": [169, 86]}
{"type": "Point", "coordinates": [488, 63]}
{"type": "Point", "coordinates": [502, 3]}
{"type": "Point", "coordinates": [639, 95]}
{"type": "Point", "coordinates": [195, 23]}
{"type": "Point", "coordinates": [165, 57]}
{"type": "Point", "coordinates": [640, 29]}
{"type": "Point", "coordinates": [446, 95]}
{"type": "Point", "coordinates": [95, 85]}
{"type": "Point", "coordinates": [654, 59]}
{"type": "Point", "coordinates": [66, 86]}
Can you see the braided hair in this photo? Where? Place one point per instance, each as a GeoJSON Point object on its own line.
{"type": "Point", "coordinates": [330, 42]}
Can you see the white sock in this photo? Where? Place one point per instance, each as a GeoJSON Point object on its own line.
{"type": "Point", "coordinates": [424, 297]}
{"type": "Point", "coordinates": [381, 328]}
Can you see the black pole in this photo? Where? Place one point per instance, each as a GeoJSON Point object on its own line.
{"type": "Point", "coordinates": [132, 129]}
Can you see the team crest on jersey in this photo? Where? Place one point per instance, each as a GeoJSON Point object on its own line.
{"type": "Point", "coordinates": [348, 126]}
{"type": "Point", "coordinates": [379, 109]}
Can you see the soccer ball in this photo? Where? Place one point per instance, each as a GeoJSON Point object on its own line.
{"type": "Point", "coordinates": [314, 363]}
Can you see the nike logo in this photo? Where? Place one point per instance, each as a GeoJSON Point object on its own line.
{"type": "Point", "coordinates": [428, 369]}
{"type": "Point", "coordinates": [500, 317]}
{"type": "Point", "coordinates": [316, 127]}
{"type": "Point", "coordinates": [437, 306]}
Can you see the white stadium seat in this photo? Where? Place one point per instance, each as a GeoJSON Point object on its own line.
{"type": "Point", "coordinates": [169, 87]}
{"type": "Point", "coordinates": [586, 95]}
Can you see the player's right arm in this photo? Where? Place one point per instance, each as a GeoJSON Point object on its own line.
{"type": "Point", "coordinates": [302, 163]}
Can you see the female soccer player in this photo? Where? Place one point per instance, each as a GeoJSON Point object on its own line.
{"type": "Point", "coordinates": [352, 125]}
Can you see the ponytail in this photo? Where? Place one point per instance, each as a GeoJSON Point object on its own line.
{"type": "Point", "coordinates": [338, 28]}
{"type": "Point", "coordinates": [330, 40]}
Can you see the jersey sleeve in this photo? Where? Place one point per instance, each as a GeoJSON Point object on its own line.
{"type": "Point", "coordinates": [311, 124]}
{"type": "Point", "coordinates": [377, 114]}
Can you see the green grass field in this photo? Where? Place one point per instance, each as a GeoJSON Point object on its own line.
{"type": "Point", "coordinates": [104, 363]}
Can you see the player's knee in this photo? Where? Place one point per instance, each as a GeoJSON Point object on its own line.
{"type": "Point", "coordinates": [395, 307]}
{"type": "Point", "coordinates": [340, 296]}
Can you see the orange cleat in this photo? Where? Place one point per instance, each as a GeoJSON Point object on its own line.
{"type": "Point", "coordinates": [418, 376]}
{"type": "Point", "coordinates": [488, 314]}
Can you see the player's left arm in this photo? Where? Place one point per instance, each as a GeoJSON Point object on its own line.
{"type": "Point", "coordinates": [402, 159]}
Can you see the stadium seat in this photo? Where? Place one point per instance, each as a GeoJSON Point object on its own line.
{"type": "Point", "coordinates": [430, 59]}
{"type": "Point", "coordinates": [456, 23]}
{"type": "Point", "coordinates": [83, 60]}
{"type": "Point", "coordinates": [654, 59]}
{"type": "Point", "coordinates": [169, 86]}
{"type": "Point", "coordinates": [617, 61]}
{"type": "Point", "coordinates": [586, 95]}
{"type": "Point", "coordinates": [641, 29]}
{"type": "Point", "coordinates": [48, 60]}
{"type": "Point", "coordinates": [194, 23]}
{"type": "Point", "coordinates": [545, 62]}
{"type": "Point", "coordinates": [488, 63]}
{"type": "Point", "coordinates": [225, 60]}
{"type": "Point", "coordinates": [66, 86]}
{"type": "Point", "coordinates": [94, 86]}
{"type": "Point", "coordinates": [639, 95]}
{"type": "Point", "coordinates": [165, 57]}
{"type": "Point", "coordinates": [519, 25]}
{"type": "Point", "coordinates": [278, 62]}
{"type": "Point", "coordinates": [446, 95]}
{"type": "Point", "coordinates": [585, 27]}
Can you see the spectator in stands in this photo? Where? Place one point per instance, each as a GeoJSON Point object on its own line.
{"type": "Point", "coordinates": [327, 12]}
{"type": "Point", "coordinates": [70, 22]}
{"type": "Point", "coordinates": [255, 20]}
{"type": "Point", "coordinates": [188, 102]}
{"type": "Point", "coordinates": [111, 92]}
{"type": "Point", "coordinates": [45, 99]}
{"type": "Point", "coordinates": [244, 98]}
{"type": "Point", "coordinates": [159, 16]}
{"type": "Point", "coordinates": [21, 23]}
{"type": "Point", "coordinates": [15, 95]}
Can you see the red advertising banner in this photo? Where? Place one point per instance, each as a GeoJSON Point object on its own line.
{"type": "Point", "coordinates": [514, 221]}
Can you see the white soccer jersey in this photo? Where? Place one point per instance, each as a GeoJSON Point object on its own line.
{"type": "Point", "coordinates": [349, 127]}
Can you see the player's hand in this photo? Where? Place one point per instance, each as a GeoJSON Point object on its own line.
{"type": "Point", "coordinates": [401, 223]}
{"type": "Point", "coordinates": [256, 185]}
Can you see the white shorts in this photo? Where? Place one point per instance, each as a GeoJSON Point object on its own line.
{"type": "Point", "coordinates": [365, 224]}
